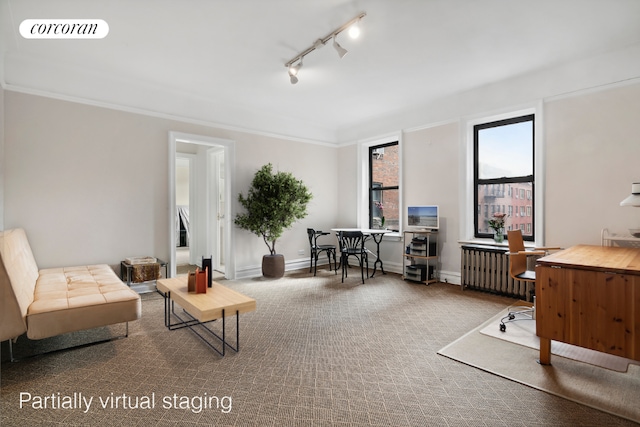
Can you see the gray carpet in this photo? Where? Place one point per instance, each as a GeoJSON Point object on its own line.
{"type": "Point", "coordinates": [316, 352]}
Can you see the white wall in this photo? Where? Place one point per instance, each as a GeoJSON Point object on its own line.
{"type": "Point", "coordinates": [315, 165]}
{"type": "Point", "coordinates": [566, 78]}
{"type": "Point", "coordinates": [2, 157]}
{"type": "Point", "coordinates": [591, 159]}
{"type": "Point", "coordinates": [90, 184]}
{"type": "Point", "coordinates": [182, 182]}
{"type": "Point", "coordinates": [431, 176]}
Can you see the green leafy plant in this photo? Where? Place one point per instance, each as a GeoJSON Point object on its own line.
{"type": "Point", "coordinates": [273, 203]}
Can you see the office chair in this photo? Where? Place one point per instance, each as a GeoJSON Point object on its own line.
{"type": "Point", "coordinates": [317, 249]}
{"type": "Point", "coordinates": [352, 244]}
{"type": "Point", "coordinates": [518, 271]}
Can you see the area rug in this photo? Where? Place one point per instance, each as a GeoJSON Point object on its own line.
{"type": "Point", "coordinates": [523, 331]}
{"type": "Point", "coordinates": [604, 389]}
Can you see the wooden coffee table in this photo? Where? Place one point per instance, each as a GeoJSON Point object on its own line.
{"type": "Point", "coordinates": [201, 309]}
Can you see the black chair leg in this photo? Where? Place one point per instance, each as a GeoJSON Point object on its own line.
{"type": "Point", "coordinates": [315, 266]}
{"type": "Point", "coordinates": [343, 261]}
{"type": "Point", "coordinates": [335, 266]}
{"type": "Point", "coordinates": [311, 262]}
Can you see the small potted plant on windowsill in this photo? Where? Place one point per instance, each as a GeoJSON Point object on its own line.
{"type": "Point", "coordinates": [497, 224]}
{"type": "Point", "coordinates": [380, 207]}
{"type": "Point", "coordinates": [273, 203]}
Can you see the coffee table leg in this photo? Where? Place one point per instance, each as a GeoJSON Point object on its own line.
{"type": "Point", "coordinates": [167, 314]}
{"type": "Point", "coordinates": [169, 309]}
{"type": "Point", "coordinates": [224, 342]}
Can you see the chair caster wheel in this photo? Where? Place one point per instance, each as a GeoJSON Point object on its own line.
{"type": "Point", "coordinates": [503, 327]}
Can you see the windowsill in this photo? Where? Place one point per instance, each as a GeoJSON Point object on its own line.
{"type": "Point", "coordinates": [491, 242]}
{"type": "Point", "coordinates": [393, 236]}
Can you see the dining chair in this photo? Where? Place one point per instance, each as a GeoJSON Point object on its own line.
{"type": "Point", "coordinates": [316, 249]}
{"type": "Point", "coordinates": [352, 244]}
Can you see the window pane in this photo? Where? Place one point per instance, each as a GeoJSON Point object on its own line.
{"type": "Point", "coordinates": [386, 204]}
{"type": "Point", "coordinates": [384, 166]}
{"type": "Point", "coordinates": [505, 151]}
{"type": "Point", "coordinates": [509, 199]}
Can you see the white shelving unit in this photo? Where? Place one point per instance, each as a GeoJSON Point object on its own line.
{"type": "Point", "coordinates": [615, 239]}
{"type": "Point", "coordinates": [420, 256]}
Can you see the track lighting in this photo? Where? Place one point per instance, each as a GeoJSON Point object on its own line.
{"type": "Point", "coordinates": [354, 31]}
{"type": "Point", "coordinates": [341, 51]}
{"type": "Point", "coordinates": [292, 77]}
{"type": "Point", "coordinates": [293, 72]}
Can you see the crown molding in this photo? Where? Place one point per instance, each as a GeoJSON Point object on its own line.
{"type": "Point", "coordinates": [160, 115]}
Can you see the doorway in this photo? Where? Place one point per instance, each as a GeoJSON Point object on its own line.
{"type": "Point", "coordinates": [205, 166]}
{"type": "Point", "coordinates": [185, 187]}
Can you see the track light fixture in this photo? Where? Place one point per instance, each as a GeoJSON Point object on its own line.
{"type": "Point", "coordinates": [354, 31]}
{"type": "Point", "coordinates": [293, 72]}
{"type": "Point", "coordinates": [341, 51]}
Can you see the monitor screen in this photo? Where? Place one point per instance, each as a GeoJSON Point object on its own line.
{"type": "Point", "coordinates": [426, 217]}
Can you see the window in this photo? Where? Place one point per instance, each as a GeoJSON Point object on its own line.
{"type": "Point", "coordinates": [504, 158]}
{"type": "Point", "coordinates": [384, 186]}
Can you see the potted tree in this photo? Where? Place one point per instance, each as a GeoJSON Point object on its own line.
{"type": "Point", "coordinates": [273, 203]}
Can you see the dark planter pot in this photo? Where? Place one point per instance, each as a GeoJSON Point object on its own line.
{"type": "Point", "coordinates": [273, 266]}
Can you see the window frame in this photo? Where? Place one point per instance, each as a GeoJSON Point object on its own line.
{"type": "Point", "coordinates": [468, 224]}
{"type": "Point", "coordinates": [362, 193]}
{"type": "Point", "coordinates": [372, 184]}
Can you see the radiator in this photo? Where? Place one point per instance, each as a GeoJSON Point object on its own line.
{"type": "Point", "coordinates": [486, 268]}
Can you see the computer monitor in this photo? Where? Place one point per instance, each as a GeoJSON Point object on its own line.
{"type": "Point", "coordinates": [424, 217]}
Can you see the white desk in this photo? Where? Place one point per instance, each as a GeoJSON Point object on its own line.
{"type": "Point", "coordinates": [376, 235]}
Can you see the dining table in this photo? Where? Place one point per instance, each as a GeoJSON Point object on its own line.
{"type": "Point", "coordinates": [376, 235]}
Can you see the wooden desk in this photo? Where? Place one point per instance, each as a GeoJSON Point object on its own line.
{"type": "Point", "coordinates": [589, 296]}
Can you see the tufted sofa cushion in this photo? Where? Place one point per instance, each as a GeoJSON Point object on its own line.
{"type": "Point", "coordinates": [75, 298]}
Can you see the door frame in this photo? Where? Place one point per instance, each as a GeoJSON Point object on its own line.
{"type": "Point", "coordinates": [229, 159]}
{"type": "Point", "coordinates": [215, 157]}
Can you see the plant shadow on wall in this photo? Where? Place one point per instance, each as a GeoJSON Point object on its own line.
{"type": "Point", "coordinates": [273, 203]}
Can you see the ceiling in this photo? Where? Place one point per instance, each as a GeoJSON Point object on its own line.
{"type": "Point", "coordinates": [221, 62]}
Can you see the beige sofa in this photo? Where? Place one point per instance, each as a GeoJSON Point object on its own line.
{"type": "Point", "coordinates": [54, 301]}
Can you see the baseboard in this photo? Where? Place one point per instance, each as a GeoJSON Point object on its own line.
{"type": "Point", "coordinates": [252, 271]}
{"type": "Point", "coordinates": [452, 277]}
{"type": "Point", "coordinates": [249, 272]}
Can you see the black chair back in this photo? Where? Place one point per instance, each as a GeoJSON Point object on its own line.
{"type": "Point", "coordinates": [316, 249]}
{"type": "Point", "coordinates": [351, 242]}
{"type": "Point", "coordinates": [312, 237]}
